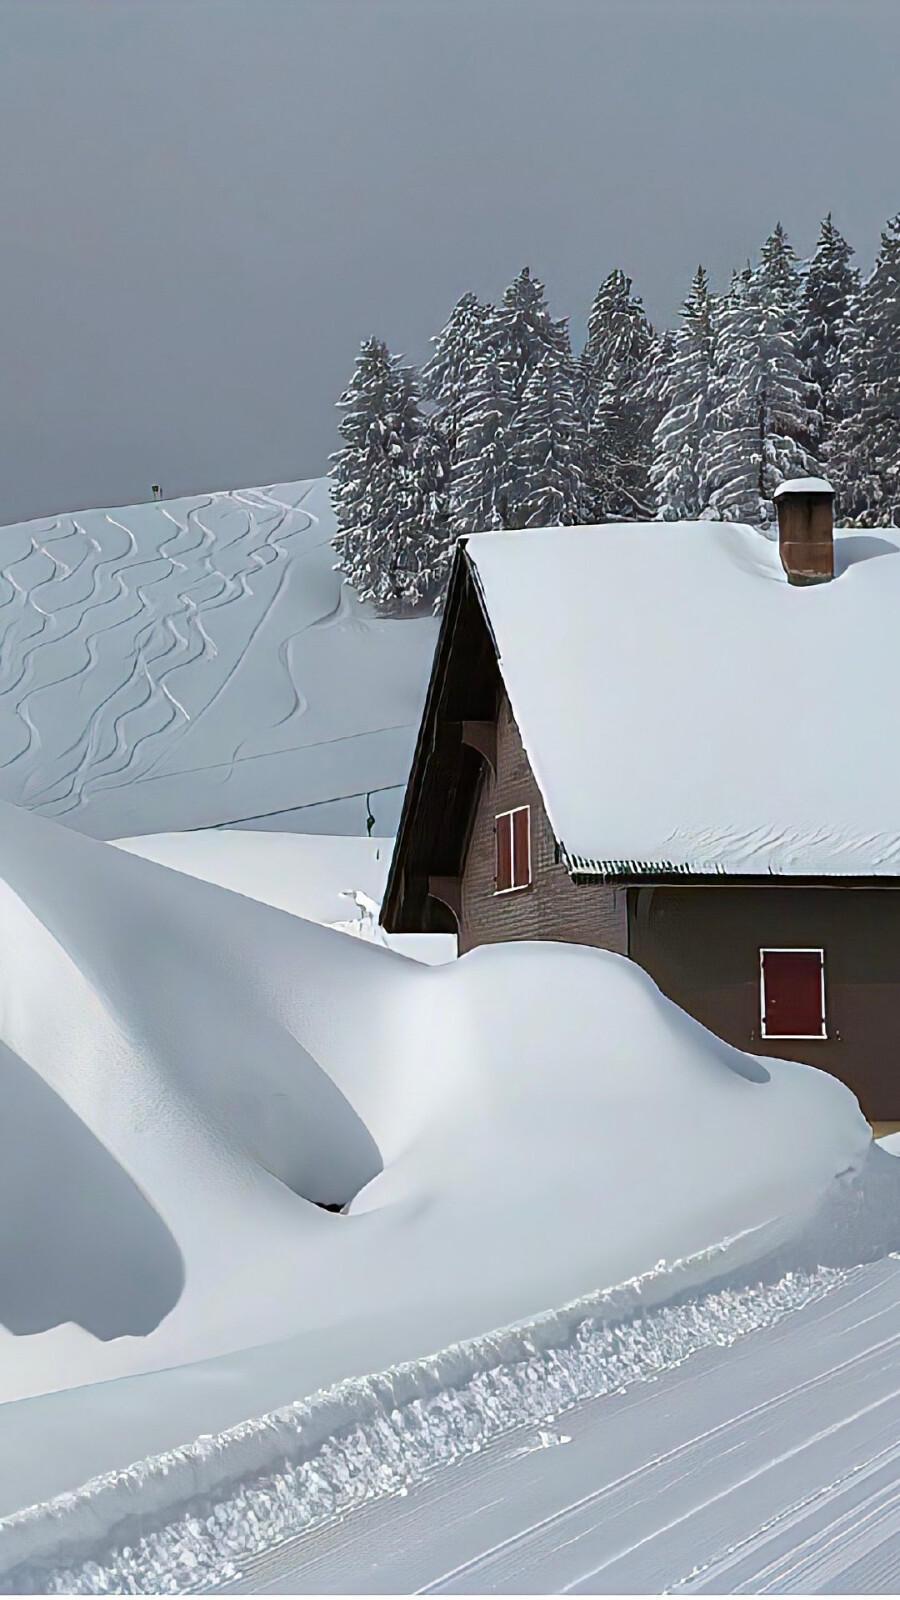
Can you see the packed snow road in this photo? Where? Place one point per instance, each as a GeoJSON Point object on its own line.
{"type": "Point", "coordinates": [771, 1466]}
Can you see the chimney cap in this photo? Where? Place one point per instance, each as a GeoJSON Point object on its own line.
{"type": "Point", "coordinates": [803, 486]}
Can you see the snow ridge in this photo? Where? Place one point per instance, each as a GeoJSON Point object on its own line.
{"type": "Point", "coordinates": [186, 1520]}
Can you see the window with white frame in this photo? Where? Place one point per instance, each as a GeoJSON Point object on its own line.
{"type": "Point", "coordinates": [792, 994]}
{"type": "Point", "coordinates": [513, 846]}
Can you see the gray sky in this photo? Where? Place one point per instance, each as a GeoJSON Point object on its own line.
{"type": "Point", "coordinates": [207, 204]}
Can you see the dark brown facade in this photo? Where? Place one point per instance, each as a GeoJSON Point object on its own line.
{"type": "Point", "coordinates": [700, 939]}
{"type": "Point", "coordinates": [701, 944]}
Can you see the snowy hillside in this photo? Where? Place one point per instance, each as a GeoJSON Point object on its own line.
{"type": "Point", "coordinates": [337, 881]}
{"type": "Point", "coordinates": [197, 661]}
{"type": "Point", "coordinates": [210, 1066]}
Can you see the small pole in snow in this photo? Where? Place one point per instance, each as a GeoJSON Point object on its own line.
{"type": "Point", "coordinates": [156, 491]}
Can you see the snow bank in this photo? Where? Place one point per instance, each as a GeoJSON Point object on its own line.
{"type": "Point", "coordinates": [338, 881]}
{"type": "Point", "coordinates": [517, 1129]}
{"type": "Point", "coordinates": [182, 1520]}
{"type": "Point", "coordinates": [198, 661]}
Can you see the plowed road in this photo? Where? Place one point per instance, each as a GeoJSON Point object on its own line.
{"type": "Point", "coordinates": [769, 1467]}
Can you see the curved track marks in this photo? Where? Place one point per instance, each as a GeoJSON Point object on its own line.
{"type": "Point", "coordinates": [119, 631]}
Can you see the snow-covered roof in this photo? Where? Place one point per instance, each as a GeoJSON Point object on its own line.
{"type": "Point", "coordinates": [803, 486]}
{"type": "Point", "coordinates": [685, 709]}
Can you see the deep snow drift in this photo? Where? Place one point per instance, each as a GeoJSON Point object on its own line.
{"type": "Point", "coordinates": [515, 1130]}
{"type": "Point", "coordinates": [338, 881]}
{"type": "Point", "coordinates": [198, 661]}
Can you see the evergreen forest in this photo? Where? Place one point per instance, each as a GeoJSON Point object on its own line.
{"type": "Point", "coordinates": [792, 371]}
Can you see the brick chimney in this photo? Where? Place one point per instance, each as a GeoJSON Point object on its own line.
{"type": "Point", "coordinates": [805, 509]}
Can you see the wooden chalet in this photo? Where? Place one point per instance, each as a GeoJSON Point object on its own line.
{"type": "Point", "coordinates": [678, 742]}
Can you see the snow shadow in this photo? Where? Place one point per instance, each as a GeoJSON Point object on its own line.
{"type": "Point", "coordinates": [850, 549]}
{"type": "Point", "coordinates": [78, 1241]}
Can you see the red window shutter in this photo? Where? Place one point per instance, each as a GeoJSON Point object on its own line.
{"type": "Point", "coordinates": [503, 831]}
{"type": "Point", "coordinates": [521, 847]}
{"type": "Point", "coordinates": [792, 994]}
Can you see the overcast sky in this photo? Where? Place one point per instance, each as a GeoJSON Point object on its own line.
{"type": "Point", "coordinates": [205, 205]}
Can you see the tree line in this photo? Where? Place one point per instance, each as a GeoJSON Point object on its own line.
{"type": "Point", "coordinates": [793, 371]}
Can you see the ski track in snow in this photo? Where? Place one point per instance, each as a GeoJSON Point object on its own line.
{"type": "Point", "coordinates": [743, 1441]}
{"type": "Point", "coordinates": [120, 631]}
{"type": "Point", "coordinates": [357, 1497]}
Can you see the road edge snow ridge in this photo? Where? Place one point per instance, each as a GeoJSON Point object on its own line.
{"type": "Point", "coordinates": [184, 1520]}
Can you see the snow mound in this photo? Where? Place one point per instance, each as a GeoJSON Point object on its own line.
{"type": "Point", "coordinates": [513, 1131]}
{"type": "Point", "coordinates": [338, 881]}
{"type": "Point", "coordinates": [198, 661]}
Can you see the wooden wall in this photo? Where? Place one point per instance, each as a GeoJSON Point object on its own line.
{"type": "Point", "coordinates": [552, 907]}
{"type": "Point", "coordinates": [701, 945]}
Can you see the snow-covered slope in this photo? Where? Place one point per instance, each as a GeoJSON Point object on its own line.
{"type": "Point", "coordinates": [338, 881]}
{"type": "Point", "coordinates": [197, 661]}
{"type": "Point", "coordinates": [189, 1069]}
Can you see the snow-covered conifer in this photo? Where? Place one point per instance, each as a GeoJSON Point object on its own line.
{"type": "Point", "coordinates": [480, 472]}
{"type": "Point", "coordinates": [388, 483]}
{"type": "Point", "coordinates": [830, 288]}
{"type": "Point", "coordinates": [547, 446]}
{"type": "Point", "coordinates": [864, 452]}
{"type": "Point", "coordinates": [765, 422]}
{"type": "Point", "coordinates": [448, 374]}
{"type": "Point", "coordinates": [524, 330]}
{"type": "Point", "coordinates": [615, 378]}
{"type": "Point", "coordinates": [494, 466]}
{"type": "Point", "coordinates": [682, 441]}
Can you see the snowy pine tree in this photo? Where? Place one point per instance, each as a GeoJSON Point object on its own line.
{"type": "Point", "coordinates": [480, 472]}
{"type": "Point", "coordinates": [446, 377]}
{"type": "Point", "coordinates": [547, 444]}
{"type": "Point", "coordinates": [614, 373]}
{"type": "Point", "coordinates": [496, 463]}
{"type": "Point", "coordinates": [864, 452]}
{"type": "Point", "coordinates": [765, 420]}
{"type": "Point", "coordinates": [388, 484]}
{"type": "Point", "coordinates": [830, 289]}
{"type": "Point", "coordinates": [682, 441]}
{"type": "Point", "coordinates": [525, 331]}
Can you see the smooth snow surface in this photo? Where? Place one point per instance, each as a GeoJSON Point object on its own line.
{"type": "Point", "coordinates": [235, 1063]}
{"type": "Point", "coordinates": [198, 661]}
{"type": "Point", "coordinates": [336, 881]}
{"type": "Point", "coordinates": [684, 707]}
{"type": "Point", "coordinates": [803, 486]}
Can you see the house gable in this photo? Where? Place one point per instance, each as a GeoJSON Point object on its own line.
{"type": "Point", "coordinates": [551, 906]}
{"type": "Point", "coordinates": [455, 740]}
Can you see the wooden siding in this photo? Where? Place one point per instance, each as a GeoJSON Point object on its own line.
{"type": "Point", "coordinates": [701, 945]}
{"type": "Point", "coordinates": [552, 907]}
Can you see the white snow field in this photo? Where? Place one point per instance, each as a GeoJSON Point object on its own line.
{"type": "Point", "coordinates": [198, 661]}
{"type": "Point", "coordinates": [337, 881]}
{"type": "Point", "coordinates": [512, 1131]}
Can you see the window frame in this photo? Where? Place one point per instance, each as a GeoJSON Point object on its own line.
{"type": "Point", "coordinates": [791, 950]}
{"type": "Point", "coordinates": [514, 888]}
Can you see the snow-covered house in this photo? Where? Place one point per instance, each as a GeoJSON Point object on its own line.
{"type": "Point", "coordinates": [681, 742]}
